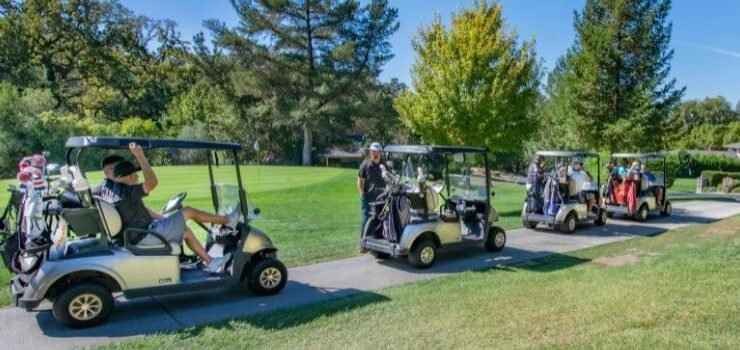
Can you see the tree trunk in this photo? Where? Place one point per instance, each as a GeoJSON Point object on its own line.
{"type": "Point", "coordinates": [307, 144]}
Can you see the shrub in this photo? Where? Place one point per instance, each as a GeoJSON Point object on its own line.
{"type": "Point", "coordinates": [715, 177]}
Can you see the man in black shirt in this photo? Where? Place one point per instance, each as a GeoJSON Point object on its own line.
{"type": "Point", "coordinates": [105, 189]}
{"type": "Point", "coordinates": [370, 182]}
{"type": "Point", "coordinates": [134, 214]}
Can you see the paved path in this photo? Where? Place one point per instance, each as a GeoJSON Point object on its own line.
{"type": "Point", "coordinates": [325, 281]}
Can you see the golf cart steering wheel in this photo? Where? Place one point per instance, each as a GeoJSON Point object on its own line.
{"type": "Point", "coordinates": [175, 203]}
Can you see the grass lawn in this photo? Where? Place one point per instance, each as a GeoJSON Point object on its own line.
{"type": "Point", "coordinates": [675, 290]}
{"type": "Point", "coordinates": [312, 214]}
{"type": "Point", "coordinates": [684, 185]}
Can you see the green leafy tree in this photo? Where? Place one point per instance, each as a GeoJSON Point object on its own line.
{"type": "Point", "coordinates": [700, 124]}
{"type": "Point", "coordinates": [301, 64]}
{"type": "Point", "coordinates": [96, 57]}
{"type": "Point", "coordinates": [617, 74]}
{"type": "Point", "coordinates": [472, 83]}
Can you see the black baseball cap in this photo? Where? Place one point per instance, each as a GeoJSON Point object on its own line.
{"type": "Point", "coordinates": [125, 168]}
{"type": "Point", "coordinates": [111, 160]}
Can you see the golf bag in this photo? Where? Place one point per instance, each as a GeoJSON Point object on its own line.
{"type": "Point", "coordinates": [397, 218]}
{"type": "Point", "coordinates": [553, 197]}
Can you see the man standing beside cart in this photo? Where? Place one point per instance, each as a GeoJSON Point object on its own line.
{"type": "Point", "coordinates": [370, 182]}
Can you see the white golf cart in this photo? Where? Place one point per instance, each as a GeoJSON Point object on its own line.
{"type": "Point", "coordinates": [436, 196]}
{"type": "Point", "coordinates": [80, 275]}
{"type": "Point", "coordinates": [649, 194]}
{"type": "Point", "coordinates": [561, 199]}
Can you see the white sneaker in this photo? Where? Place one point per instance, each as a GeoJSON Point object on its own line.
{"type": "Point", "coordinates": [234, 217]}
{"type": "Point", "coordinates": [217, 264]}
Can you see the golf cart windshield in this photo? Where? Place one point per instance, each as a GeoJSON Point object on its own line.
{"type": "Point", "coordinates": [467, 176]}
{"type": "Point", "coordinates": [228, 199]}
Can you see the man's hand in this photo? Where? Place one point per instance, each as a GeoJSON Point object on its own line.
{"type": "Point", "coordinates": [136, 150]}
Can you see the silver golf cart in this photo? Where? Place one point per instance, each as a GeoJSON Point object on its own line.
{"type": "Point", "coordinates": [436, 196]}
{"type": "Point", "coordinates": [650, 194]}
{"type": "Point", "coordinates": [561, 199]}
{"type": "Point", "coordinates": [78, 276]}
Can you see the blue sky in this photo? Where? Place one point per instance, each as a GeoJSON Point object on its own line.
{"type": "Point", "coordinates": [706, 34]}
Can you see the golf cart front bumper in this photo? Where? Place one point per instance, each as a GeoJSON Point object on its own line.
{"type": "Point", "coordinates": [384, 246]}
{"type": "Point", "coordinates": [17, 291]}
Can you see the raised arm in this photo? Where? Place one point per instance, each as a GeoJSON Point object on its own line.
{"type": "Point", "coordinates": [150, 178]}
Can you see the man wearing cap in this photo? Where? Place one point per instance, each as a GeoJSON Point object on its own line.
{"type": "Point", "coordinates": [105, 189]}
{"type": "Point", "coordinates": [134, 214]}
{"type": "Point", "coordinates": [370, 182]}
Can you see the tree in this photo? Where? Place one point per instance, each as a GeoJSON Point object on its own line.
{"type": "Point", "coordinates": [302, 64]}
{"type": "Point", "coordinates": [617, 74]}
{"type": "Point", "coordinates": [96, 57]}
{"type": "Point", "coordinates": [737, 107]}
{"type": "Point", "coordinates": [688, 115]}
{"type": "Point", "coordinates": [473, 83]}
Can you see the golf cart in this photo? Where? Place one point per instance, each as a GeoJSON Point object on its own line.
{"type": "Point", "coordinates": [637, 192]}
{"type": "Point", "coordinates": [561, 196]}
{"type": "Point", "coordinates": [78, 276]}
{"type": "Point", "coordinates": [435, 196]}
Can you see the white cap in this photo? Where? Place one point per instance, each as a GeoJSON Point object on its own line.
{"type": "Point", "coordinates": [375, 146]}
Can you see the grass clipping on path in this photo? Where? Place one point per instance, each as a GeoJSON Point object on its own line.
{"type": "Point", "coordinates": [683, 292]}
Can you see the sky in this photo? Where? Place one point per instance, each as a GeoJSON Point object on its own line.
{"type": "Point", "coordinates": [706, 34]}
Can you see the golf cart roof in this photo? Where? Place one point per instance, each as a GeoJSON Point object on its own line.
{"type": "Point", "coordinates": [565, 154]}
{"type": "Point", "coordinates": [427, 149]}
{"type": "Point", "coordinates": [123, 142]}
{"type": "Point", "coordinates": [637, 155]}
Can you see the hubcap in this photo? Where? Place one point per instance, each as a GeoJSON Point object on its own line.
{"type": "Point", "coordinates": [427, 255]}
{"type": "Point", "coordinates": [85, 307]}
{"type": "Point", "coordinates": [668, 208]}
{"type": "Point", "coordinates": [571, 224]}
{"type": "Point", "coordinates": [499, 240]}
{"type": "Point", "coordinates": [270, 277]}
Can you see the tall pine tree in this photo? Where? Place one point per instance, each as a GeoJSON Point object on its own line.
{"type": "Point", "coordinates": [617, 74]}
{"type": "Point", "coordinates": [307, 63]}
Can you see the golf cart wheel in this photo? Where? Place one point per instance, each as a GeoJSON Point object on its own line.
{"type": "Point", "coordinates": [667, 209]}
{"type": "Point", "coordinates": [529, 224]}
{"type": "Point", "coordinates": [423, 254]}
{"type": "Point", "coordinates": [601, 218]}
{"type": "Point", "coordinates": [267, 277]}
{"type": "Point", "coordinates": [642, 213]}
{"type": "Point", "coordinates": [83, 305]}
{"type": "Point", "coordinates": [496, 239]}
{"type": "Point", "coordinates": [379, 255]}
{"type": "Point", "coordinates": [569, 225]}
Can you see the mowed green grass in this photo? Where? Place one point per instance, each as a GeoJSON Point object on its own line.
{"type": "Point", "coordinates": [684, 185]}
{"type": "Point", "coordinates": [675, 290]}
{"type": "Point", "coordinates": [312, 214]}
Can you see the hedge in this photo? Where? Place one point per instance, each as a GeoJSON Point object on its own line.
{"type": "Point", "coordinates": [715, 177]}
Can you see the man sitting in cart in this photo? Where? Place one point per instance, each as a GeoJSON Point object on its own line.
{"type": "Point", "coordinates": [129, 194]}
{"type": "Point", "coordinates": [583, 181]}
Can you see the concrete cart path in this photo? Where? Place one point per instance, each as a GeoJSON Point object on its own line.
{"type": "Point", "coordinates": [330, 280]}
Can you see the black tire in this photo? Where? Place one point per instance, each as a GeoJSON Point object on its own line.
{"type": "Point", "coordinates": [642, 213]}
{"type": "Point", "coordinates": [267, 277]}
{"type": "Point", "coordinates": [423, 253]}
{"type": "Point", "coordinates": [83, 305]}
{"type": "Point", "coordinates": [379, 255]}
{"type": "Point", "coordinates": [529, 224]}
{"type": "Point", "coordinates": [601, 217]}
{"type": "Point", "coordinates": [569, 225]}
{"type": "Point", "coordinates": [667, 209]}
{"type": "Point", "coordinates": [496, 240]}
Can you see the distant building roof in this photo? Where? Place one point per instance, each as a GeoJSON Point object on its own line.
{"type": "Point", "coordinates": [337, 153]}
{"type": "Point", "coordinates": [719, 153]}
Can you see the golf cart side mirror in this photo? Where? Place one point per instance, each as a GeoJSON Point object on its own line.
{"type": "Point", "coordinates": [493, 193]}
{"type": "Point", "coordinates": [256, 211]}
